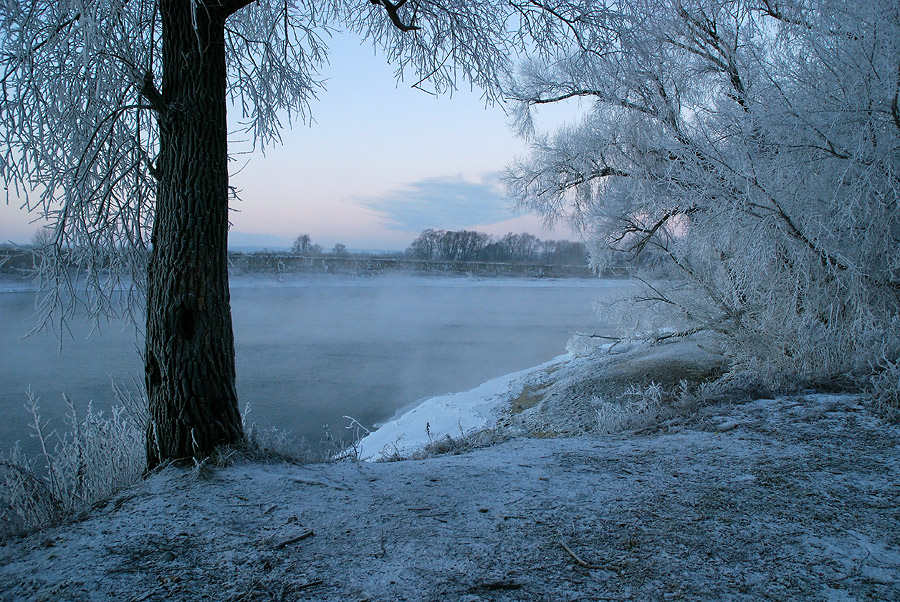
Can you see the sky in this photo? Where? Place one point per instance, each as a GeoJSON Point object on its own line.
{"type": "Point", "coordinates": [380, 163]}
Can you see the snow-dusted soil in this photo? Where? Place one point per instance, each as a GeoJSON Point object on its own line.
{"type": "Point", "coordinates": [787, 499]}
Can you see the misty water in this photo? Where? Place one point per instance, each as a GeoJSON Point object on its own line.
{"type": "Point", "coordinates": [312, 350]}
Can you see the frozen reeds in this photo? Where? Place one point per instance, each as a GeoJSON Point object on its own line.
{"type": "Point", "coordinates": [97, 454]}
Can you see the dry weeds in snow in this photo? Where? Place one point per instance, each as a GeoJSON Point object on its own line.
{"type": "Point", "coordinates": [96, 455]}
{"type": "Point", "coordinates": [795, 500]}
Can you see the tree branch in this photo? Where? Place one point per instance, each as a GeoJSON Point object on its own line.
{"type": "Point", "coordinates": [31, 51]}
{"type": "Point", "coordinates": [149, 91]}
{"type": "Point", "coordinates": [648, 233]}
{"type": "Point", "coordinates": [391, 10]}
{"type": "Point", "coordinates": [598, 94]}
{"type": "Point", "coordinates": [895, 111]}
{"type": "Point", "coordinates": [776, 13]}
{"type": "Point", "coordinates": [229, 7]}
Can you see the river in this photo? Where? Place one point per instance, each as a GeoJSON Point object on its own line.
{"type": "Point", "coordinates": [311, 350]}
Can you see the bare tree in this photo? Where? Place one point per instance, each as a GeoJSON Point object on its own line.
{"type": "Point", "coordinates": [564, 252]}
{"type": "Point", "coordinates": [755, 145]}
{"type": "Point", "coordinates": [461, 245]}
{"type": "Point", "coordinates": [113, 126]}
{"type": "Point", "coordinates": [521, 247]}
{"type": "Point", "coordinates": [42, 238]}
{"type": "Point", "coordinates": [304, 246]}
{"type": "Point", "coordinates": [427, 245]}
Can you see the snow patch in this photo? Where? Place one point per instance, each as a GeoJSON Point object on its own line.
{"type": "Point", "coordinates": [452, 415]}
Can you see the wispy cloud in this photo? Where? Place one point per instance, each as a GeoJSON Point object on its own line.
{"type": "Point", "coordinates": [450, 203]}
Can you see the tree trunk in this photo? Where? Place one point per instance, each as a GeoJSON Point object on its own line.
{"type": "Point", "coordinates": [189, 361]}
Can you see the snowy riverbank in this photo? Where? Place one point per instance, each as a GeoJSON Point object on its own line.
{"type": "Point", "coordinates": [453, 415]}
{"type": "Point", "coordinates": [792, 498]}
{"type": "Point", "coordinates": [563, 396]}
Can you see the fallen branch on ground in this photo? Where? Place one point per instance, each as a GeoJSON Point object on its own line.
{"type": "Point", "coordinates": [287, 542]}
{"type": "Point", "coordinates": [581, 562]}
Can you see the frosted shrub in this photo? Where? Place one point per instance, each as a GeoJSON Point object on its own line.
{"type": "Point", "coordinates": [753, 148]}
{"type": "Point", "coordinates": [635, 409]}
{"type": "Point", "coordinates": [97, 454]}
{"type": "Point", "coordinates": [886, 390]}
{"type": "Point", "coordinates": [276, 443]}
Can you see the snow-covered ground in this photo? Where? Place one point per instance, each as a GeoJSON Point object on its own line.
{"type": "Point", "coordinates": [793, 498]}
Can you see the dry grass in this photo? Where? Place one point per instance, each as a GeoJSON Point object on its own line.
{"type": "Point", "coordinates": [97, 454]}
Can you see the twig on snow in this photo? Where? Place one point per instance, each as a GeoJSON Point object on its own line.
{"type": "Point", "coordinates": [309, 584]}
{"type": "Point", "coordinates": [287, 542]}
{"type": "Point", "coordinates": [581, 562]}
{"type": "Point", "coordinates": [317, 483]}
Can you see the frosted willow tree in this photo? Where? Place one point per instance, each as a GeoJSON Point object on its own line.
{"type": "Point", "coordinates": [755, 144]}
{"type": "Point", "coordinates": [113, 126]}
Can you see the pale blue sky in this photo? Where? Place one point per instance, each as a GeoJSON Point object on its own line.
{"type": "Point", "coordinates": [380, 163]}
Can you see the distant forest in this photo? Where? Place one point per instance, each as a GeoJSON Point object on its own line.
{"type": "Point", "coordinates": [434, 251]}
{"type": "Point", "coordinates": [466, 245]}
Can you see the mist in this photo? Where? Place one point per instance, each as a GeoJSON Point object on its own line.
{"type": "Point", "coordinates": [315, 349]}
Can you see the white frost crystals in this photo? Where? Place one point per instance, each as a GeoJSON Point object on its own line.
{"type": "Point", "coordinates": [752, 148]}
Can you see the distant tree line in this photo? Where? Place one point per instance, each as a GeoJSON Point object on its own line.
{"type": "Point", "coordinates": [304, 246]}
{"type": "Point", "coordinates": [467, 245]}
{"type": "Point", "coordinates": [431, 245]}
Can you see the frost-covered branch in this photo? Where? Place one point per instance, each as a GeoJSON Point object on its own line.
{"type": "Point", "coordinates": [754, 146]}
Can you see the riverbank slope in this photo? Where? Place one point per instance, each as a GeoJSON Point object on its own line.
{"type": "Point", "coordinates": [790, 498]}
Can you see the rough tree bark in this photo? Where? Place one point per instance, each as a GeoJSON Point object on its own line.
{"type": "Point", "coordinates": [189, 360]}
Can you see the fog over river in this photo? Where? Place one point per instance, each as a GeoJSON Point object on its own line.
{"type": "Point", "coordinates": [312, 350]}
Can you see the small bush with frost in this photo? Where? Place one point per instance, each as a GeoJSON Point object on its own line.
{"type": "Point", "coordinates": [266, 443]}
{"type": "Point", "coordinates": [451, 446]}
{"type": "Point", "coordinates": [97, 454]}
{"type": "Point", "coordinates": [885, 390]}
{"type": "Point", "coordinates": [635, 409]}
{"type": "Point", "coordinates": [275, 443]}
